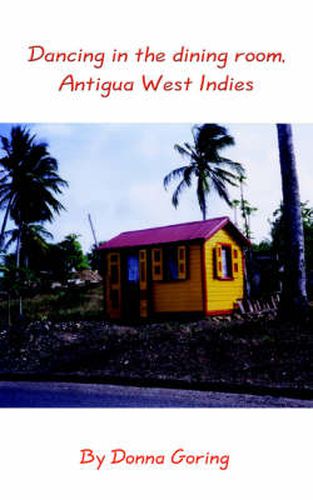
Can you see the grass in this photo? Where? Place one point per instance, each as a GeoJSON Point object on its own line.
{"type": "Point", "coordinates": [64, 304]}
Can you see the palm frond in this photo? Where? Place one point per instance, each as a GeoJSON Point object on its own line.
{"type": "Point", "coordinates": [178, 191]}
{"type": "Point", "coordinates": [237, 167]}
{"type": "Point", "coordinates": [221, 189]}
{"type": "Point", "coordinates": [185, 151]}
{"type": "Point", "coordinates": [177, 173]}
{"type": "Point", "coordinates": [224, 141]}
{"type": "Point", "coordinates": [226, 176]}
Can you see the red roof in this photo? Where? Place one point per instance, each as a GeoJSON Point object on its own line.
{"type": "Point", "coordinates": [188, 231]}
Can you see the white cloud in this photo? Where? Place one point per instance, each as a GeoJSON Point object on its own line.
{"type": "Point", "coordinates": [115, 172]}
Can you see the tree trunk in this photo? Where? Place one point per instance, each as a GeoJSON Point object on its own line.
{"type": "Point", "coordinates": [18, 247]}
{"type": "Point", "coordinates": [18, 259]}
{"type": "Point", "coordinates": [244, 210]}
{"type": "Point", "coordinates": [294, 298]}
{"type": "Point", "coordinates": [4, 223]}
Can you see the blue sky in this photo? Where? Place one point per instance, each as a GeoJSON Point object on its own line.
{"type": "Point", "coordinates": [115, 173]}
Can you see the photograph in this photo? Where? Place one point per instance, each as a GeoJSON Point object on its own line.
{"type": "Point", "coordinates": [156, 265]}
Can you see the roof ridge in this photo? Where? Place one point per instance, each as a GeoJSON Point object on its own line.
{"type": "Point", "coordinates": [175, 225]}
{"type": "Point", "coordinates": [184, 231]}
{"type": "Point", "coordinates": [224, 220]}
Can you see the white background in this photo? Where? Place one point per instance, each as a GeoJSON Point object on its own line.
{"type": "Point", "coordinates": [28, 90]}
{"type": "Point", "coordinates": [270, 449]}
{"type": "Point", "coordinates": [270, 453]}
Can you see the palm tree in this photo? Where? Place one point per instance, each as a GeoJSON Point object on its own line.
{"type": "Point", "coordinates": [16, 149]}
{"type": "Point", "coordinates": [33, 241]}
{"type": "Point", "coordinates": [29, 182]}
{"type": "Point", "coordinates": [205, 163]}
{"type": "Point", "coordinates": [294, 296]}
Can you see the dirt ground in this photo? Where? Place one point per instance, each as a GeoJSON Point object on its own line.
{"type": "Point", "coordinates": [257, 354]}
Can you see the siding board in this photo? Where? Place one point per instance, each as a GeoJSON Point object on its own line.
{"type": "Point", "coordinates": [222, 294]}
{"type": "Point", "coordinates": [181, 296]}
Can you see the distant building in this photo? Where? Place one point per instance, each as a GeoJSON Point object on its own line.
{"type": "Point", "coordinates": [192, 268]}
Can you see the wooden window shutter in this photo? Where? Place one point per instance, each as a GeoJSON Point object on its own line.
{"type": "Point", "coordinates": [114, 284]}
{"type": "Point", "coordinates": [143, 301]}
{"type": "Point", "coordinates": [114, 270]}
{"type": "Point", "coordinates": [235, 256]}
{"type": "Point", "coordinates": [181, 261]}
{"type": "Point", "coordinates": [218, 261]}
{"type": "Point", "coordinates": [143, 269]}
{"type": "Point", "coordinates": [157, 264]}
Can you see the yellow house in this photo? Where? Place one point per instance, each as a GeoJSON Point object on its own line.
{"type": "Point", "coordinates": [192, 268]}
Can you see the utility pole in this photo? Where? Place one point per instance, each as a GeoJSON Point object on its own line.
{"type": "Point", "coordinates": [93, 230]}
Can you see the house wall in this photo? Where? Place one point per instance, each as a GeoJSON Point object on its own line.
{"type": "Point", "coordinates": [182, 295]}
{"type": "Point", "coordinates": [202, 291]}
{"type": "Point", "coordinates": [222, 294]}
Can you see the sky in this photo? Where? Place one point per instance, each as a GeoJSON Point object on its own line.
{"type": "Point", "coordinates": [115, 173]}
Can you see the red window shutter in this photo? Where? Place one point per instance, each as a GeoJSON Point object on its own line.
{"type": "Point", "coordinates": [235, 256]}
{"type": "Point", "coordinates": [218, 261]}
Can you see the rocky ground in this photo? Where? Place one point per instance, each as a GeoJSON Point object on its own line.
{"type": "Point", "coordinates": [258, 353]}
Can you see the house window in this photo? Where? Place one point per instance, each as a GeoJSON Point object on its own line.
{"type": "Point", "coordinates": [169, 263]}
{"type": "Point", "coordinates": [226, 262]}
{"type": "Point", "coordinates": [223, 262]}
{"type": "Point", "coordinates": [132, 269]}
